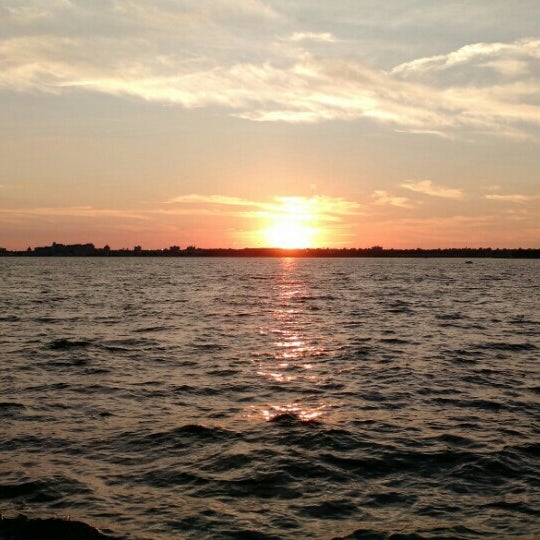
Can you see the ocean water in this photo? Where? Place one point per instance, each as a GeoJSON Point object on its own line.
{"type": "Point", "coordinates": [272, 398]}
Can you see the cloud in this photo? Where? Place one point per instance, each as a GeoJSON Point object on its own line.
{"type": "Point", "coordinates": [506, 59]}
{"type": "Point", "coordinates": [72, 211]}
{"type": "Point", "coordinates": [325, 37]}
{"type": "Point", "coordinates": [229, 55]}
{"type": "Point", "coordinates": [212, 200]}
{"type": "Point", "coordinates": [382, 198]}
{"type": "Point", "coordinates": [428, 188]}
{"type": "Point", "coordinates": [515, 198]}
{"type": "Point", "coordinates": [319, 207]}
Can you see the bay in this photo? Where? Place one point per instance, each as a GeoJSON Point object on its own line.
{"type": "Point", "coordinates": [272, 398]}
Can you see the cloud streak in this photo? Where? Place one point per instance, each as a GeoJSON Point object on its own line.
{"type": "Point", "coordinates": [319, 207]}
{"type": "Point", "coordinates": [72, 211]}
{"type": "Point", "coordinates": [514, 198]}
{"type": "Point", "coordinates": [481, 88]}
{"type": "Point", "coordinates": [221, 200]}
{"type": "Point", "coordinates": [426, 187]}
{"type": "Point", "coordinates": [325, 37]}
{"type": "Point", "coordinates": [383, 198]}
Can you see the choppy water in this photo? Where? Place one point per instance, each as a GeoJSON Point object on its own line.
{"type": "Point", "coordinates": [272, 398]}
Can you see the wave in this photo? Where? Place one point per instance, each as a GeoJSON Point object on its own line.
{"type": "Point", "coordinates": [65, 344]}
{"type": "Point", "coordinates": [11, 407]}
{"type": "Point", "coordinates": [168, 406]}
{"type": "Point", "coordinates": [46, 490]}
{"type": "Point", "coordinates": [458, 532]}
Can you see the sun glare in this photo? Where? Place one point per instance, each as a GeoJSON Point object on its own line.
{"type": "Point", "coordinates": [292, 224]}
{"type": "Point", "coordinates": [287, 234]}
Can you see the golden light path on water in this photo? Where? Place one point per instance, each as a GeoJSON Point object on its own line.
{"type": "Point", "coordinates": [293, 358]}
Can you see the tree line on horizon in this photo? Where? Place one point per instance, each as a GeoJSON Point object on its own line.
{"type": "Point", "coordinates": [89, 250]}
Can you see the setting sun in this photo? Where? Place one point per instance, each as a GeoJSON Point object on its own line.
{"type": "Point", "coordinates": [293, 223]}
{"type": "Point", "coordinates": [289, 234]}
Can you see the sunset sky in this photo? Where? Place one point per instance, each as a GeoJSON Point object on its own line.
{"type": "Point", "coordinates": [234, 123]}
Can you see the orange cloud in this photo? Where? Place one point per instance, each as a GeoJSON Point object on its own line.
{"type": "Point", "coordinates": [428, 188]}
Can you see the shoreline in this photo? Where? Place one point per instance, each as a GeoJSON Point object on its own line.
{"type": "Point", "coordinates": [89, 250]}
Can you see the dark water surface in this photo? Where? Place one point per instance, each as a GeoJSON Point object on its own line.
{"type": "Point", "coordinates": [272, 398]}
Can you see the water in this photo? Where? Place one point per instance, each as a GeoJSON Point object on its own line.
{"type": "Point", "coordinates": [272, 398]}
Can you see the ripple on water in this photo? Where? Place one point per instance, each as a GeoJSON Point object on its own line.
{"type": "Point", "coordinates": [271, 398]}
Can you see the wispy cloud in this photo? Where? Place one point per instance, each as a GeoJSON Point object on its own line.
{"type": "Point", "coordinates": [508, 59]}
{"type": "Point", "coordinates": [427, 187]}
{"type": "Point", "coordinates": [319, 207]}
{"type": "Point", "coordinates": [325, 37]}
{"type": "Point", "coordinates": [514, 198]}
{"type": "Point", "coordinates": [135, 50]}
{"type": "Point", "coordinates": [381, 197]}
{"type": "Point", "coordinates": [331, 219]}
{"type": "Point", "coordinates": [211, 199]}
{"type": "Point", "coordinates": [72, 211]}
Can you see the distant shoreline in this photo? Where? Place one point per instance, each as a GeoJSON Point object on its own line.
{"type": "Point", "coordinates": [89, 250]}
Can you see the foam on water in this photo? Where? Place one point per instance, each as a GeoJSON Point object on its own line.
{"type": "Point", "coordinates": [228, 398]}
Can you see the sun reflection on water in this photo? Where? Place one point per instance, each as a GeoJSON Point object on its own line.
{"type": "Point", "coordinates": [292, 360]}
{"type": "Point", "coordinates": [292, 411]}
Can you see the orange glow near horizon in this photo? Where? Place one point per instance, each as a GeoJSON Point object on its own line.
{"type": "Point", "coordinates": [290, 235]}
{"type": "Point", "coordinates": [293, 224]}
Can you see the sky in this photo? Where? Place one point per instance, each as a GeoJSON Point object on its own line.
{"type": "Point", "coordinates": [245, 123]}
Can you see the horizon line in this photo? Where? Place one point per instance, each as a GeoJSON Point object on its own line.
{"type": "Point", "coordinates": [91, 247]}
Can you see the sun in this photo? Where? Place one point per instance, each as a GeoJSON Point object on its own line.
{"type": "Point", "coordinates": [292, 224]}
{"type": "Point", "coordinates": [289, 234]}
